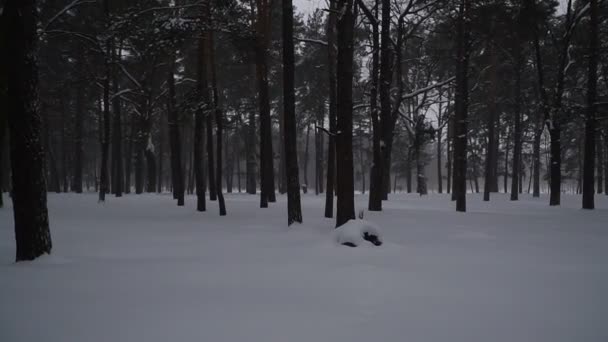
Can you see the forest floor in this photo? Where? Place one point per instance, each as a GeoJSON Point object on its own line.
{"type": "Point", "coordinates": [140, 268]}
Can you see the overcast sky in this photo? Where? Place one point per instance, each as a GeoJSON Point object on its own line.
{"type": "Point", "coordinates": [307, 6]}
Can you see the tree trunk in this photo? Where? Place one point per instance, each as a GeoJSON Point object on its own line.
{"type": "Point", "coordinates": [78, 132]}
{"type": "Point", "coordinates": [506, 173]}
{"type": "Point", "coordinates": [267, 193]}
{"type": "Point", "coordinates": [210, 159]}
{"type": "Point", "coordinates": [32, 233]}
{"type": "Point", "coordinates": [517, 134]}
{"type": "Point", "coordinates": [590, 120]}
{"type": "Point", "coordinates": [461, 106]}
{"type": "Point", "coordinates": [177, 175]}
{"type": "Point", "coordinates": [376, 192]}
{"type": "Point", "coordinates": [439, 152]}
{"type": "Point", "coordinates": [450, 147]}
{"type": "Point", "coordinates": [344, 143]}
{"type": "Point", "coordinates": [306, 158]}
{"type": "Point", "coordinates": [600, 164]}
{"type": "Point", "coordinates": [105, 135]}
{"type": "Point", "coordinates": [218, 124]}
{"type": "Point", "coordinates": [199, 176]}
{"type": "Point", "coordinates": [333, 108]}
{"type": "Point", "coordinates": [294, 209]}
{"type": "Point", "coordinates": [491, 148]}
{"type": "Point", "coordinates": [282, 166]}
{"type": "Point", "coordinates": [117, 167]}
{"type": "Point", "coordinates": [385, 97]}
{"type": "Point", "coordinates": [129, 155]}
{"type": "Point", "coordinates": [251, 176]}
{"type": "Point", "coordinates": [556, 161]}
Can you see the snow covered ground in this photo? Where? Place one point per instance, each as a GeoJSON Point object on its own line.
{"type": "Point", "coordinates": [141, 269]}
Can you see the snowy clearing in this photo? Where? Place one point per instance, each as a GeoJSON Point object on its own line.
{"type": "Point", "coordinates": [141, 269]}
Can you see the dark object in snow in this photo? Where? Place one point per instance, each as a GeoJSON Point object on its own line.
{"type": "Point", "coordinates": [354, 232]}
{"type": "Point", "coordinates": [372, 238]}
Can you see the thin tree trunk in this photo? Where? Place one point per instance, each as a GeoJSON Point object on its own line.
{"type": "Point", "coordinates": [600, 164]}
{"type": "Point", "coordinates": [385, 96]}
{"type": "Point", "coordinates": [117, 159]}
{"type": "Point", "coordinates": [199, 176]}
{"type": "Point", "coordinates": [590, 117]}
{"type": "Point", "coordinates": [78, 132]}
{"type": "Point", "coordinates": [517, 134]}
{"type": "Point", "coordinates": [32, 234]}
{"type": "Point", "coordinates": [449, 151]}
{"type": "Point", "coordinates": [306, 158]}
{"type": "Point", "coordinates": [218, 124]}
{"type": "Point", "coordinates": [507, 150]}
{"type": "Point", "coordinates": [333, 108]}
{"type": "Point", "coordinates": [129, 155]}
{"type": "Point", "coordinates": [177, 174]}
{"type": "Point", "coordinates": [491, 148]}
{"type": "Point", "coordinates": [105, 135]}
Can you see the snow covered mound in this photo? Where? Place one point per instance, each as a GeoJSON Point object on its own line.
{"type": "Point", "coordinates": [358, 232]}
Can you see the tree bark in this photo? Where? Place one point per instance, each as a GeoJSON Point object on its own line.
{"type": "Point", "coordinates": [218, 124]}
{"type": "Point", "coordinates": [267, 193]}
{"type": "Point", "coordinates": [333, 108]}
{"type": "Point", "coordinates": [32, 234]}
{"type": "Point", "coordinates": [385, 96]}
{"type": "Point", "coordinates": [177, 175]}
{"type": "Point", "coordinates": [491, 148]}
{"type": "Point", "coordinates": [517, 134]}
{"type": "Point", "coordinates": [117, 159]}
{"type": "Point", "coordinates": [294, 209]}
{"type": "Point", "coordinates": [590, 117]}
{"type": "Point", "coordinates": [105, 135]}
{"type": "Point", "coordinates": [461, 106]}
{"type": "Point", "coordinates": [376, 190]}
{"type": "Point", "coordinates": [199, 176]}
{"type": "Point", "coordinates": [344, 143]}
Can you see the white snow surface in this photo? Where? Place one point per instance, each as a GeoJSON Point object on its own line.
{"type": "Point", "coordinates": [353, 231]}
{"type": "Point", "coordinates": [139, 268]}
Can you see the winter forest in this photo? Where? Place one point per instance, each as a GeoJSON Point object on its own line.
{"type": "Point", "coordinates": [304, 170]}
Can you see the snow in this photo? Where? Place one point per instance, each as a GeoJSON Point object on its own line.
{"type": "Point", "coordinates": [140, 268]}
{"type": "Point", "coordinates": [353, 231]}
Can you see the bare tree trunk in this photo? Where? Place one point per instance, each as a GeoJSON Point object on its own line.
{"type": "Point", "coordinates": [590, 117]}
{"type": "Point", "coordinates": [105, 135]}
{"type": "Point", "coordinates": [517, 134]}
{"type": "Point", "coordinates": [218, 124]}
{"type": "Point", "coordinates": [78, 131]}
{"type": "Point", "coordinates": [333, 108]}
{"type": "Point", "coordinates": [376, 190]}
{"type": "Point", "coordinates": [117, 159]}
{"type": "Point", "coordinates": [199, 176]}
{"type": "Point", "coordinates": [440, 150]}
{"type": "Point", "coordinates": [129, 155]}
{"type": "Point", "coordinates": [507, 150]}
{"type": "Point", "coordinates": [600, 164]}
{"type": "Point", "coordinates": [177, 174]}
{"type": "Point", "coordinates": [385, 96]}
{"type": "Point", "coordinates": [294, 209]}
{"type": "Point", "coordinates": [32, 233]}
{"type": "Point", "coordinates": [461, 106]}
{"type": "Point", "coordinates": [267, 193]}
{"type": "Point", "coordinates": [306, 185]}
{"type": "Point", "coordinates": [450, 138]}
{"type": "Point", "coordinates": [344, 143]}
{"type": "Point", "coordinates": [491, 148]}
